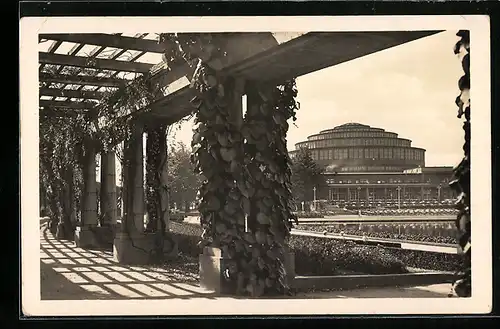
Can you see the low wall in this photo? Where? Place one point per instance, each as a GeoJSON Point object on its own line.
{"type": "Point", "coordinates": [345, 282]}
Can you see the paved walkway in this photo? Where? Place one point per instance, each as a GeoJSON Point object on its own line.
{"type": "Point", "coordinates": [71, 273]}
{"type": "Point", "coordinates": [68, 272]}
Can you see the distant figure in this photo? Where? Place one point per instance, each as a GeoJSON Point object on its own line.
{"type": "Point", "coordinates": [365, 238]}
{"type": "Point", "coordinates": [325, 232]}
{"type": "Point", "coordinates": [359, 213]}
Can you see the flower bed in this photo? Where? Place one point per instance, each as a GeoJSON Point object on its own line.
{"type": "Point", "coordinates": [320, 256]}
{"type": "Point", "coordinates": [427, 232]}
{"type": "Point", "coordinates": [311, 214]}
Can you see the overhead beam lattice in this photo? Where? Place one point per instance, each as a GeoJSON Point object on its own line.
{"type": "Point", "coordinates": [55, 92]}
{"type": "Point", "coordinates": [66, 104]}
{"type": "Point", "coordinates": [94, 63]}
{"type": "Point", "coordinates": [82, 80]}
{"type": "Point", "coordinates": [108, 40]}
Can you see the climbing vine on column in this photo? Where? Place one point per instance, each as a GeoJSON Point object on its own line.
{"type": "Point", "coordinates": [60, 169]}
{"type": "Point", "coordinates": [218, 156]}
{"type": "Point", "coordinates": [461, 173]}
{"type": "Point", "coordinates": [270, 208]}
{"type": "Point", "coordinates": [244, 174]}
{"type": "Point", "coordinates": [217, 153]}
{"type": "Point", "coordinates": [66, 137]}
{"type": "Point", "coordinates": [155, 147]}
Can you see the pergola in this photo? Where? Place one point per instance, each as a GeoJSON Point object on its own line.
{"type": "Point", "coordinates": [74, 81]}
{"type": "Point", "coordinates": [97, 62]}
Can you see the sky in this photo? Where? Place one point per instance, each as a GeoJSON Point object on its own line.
{"type": "Point", "coordinates": [409, 89]}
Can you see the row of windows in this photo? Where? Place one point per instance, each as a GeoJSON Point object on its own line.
{"type": "Point", "coordinates": [353, 134]}
{"type": "Point", "coordinates": [371, 181]}
{"type": "Point", "coordinates": [356, 142]}
{"type": "Point", "coordinates": [369, 168]}
{"type": "Point", "coordinates": [368, 153]}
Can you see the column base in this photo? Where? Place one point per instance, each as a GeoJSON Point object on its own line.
{"type": "Point", "coordinates": [85, 238]}
{"type": "Point", "coordinates": [211, 265]}
{"type": "Point", "coordinates": [104, 236]}
{"type": "Point", "coordinates": [290, 267]}
{"type": "Point", "coordinates": [140, 249]}
{"type": "Point", "coordinates": [212, 278]}
{"type": "Point", "coordinates": [94, 237]}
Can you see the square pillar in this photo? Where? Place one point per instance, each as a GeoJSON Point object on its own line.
{"type": "Point", "coordinates": [131, 245]}
{"type": "Point", "coordinates": [108, 189]}
{"type": "Point", "coordinates": [212, 263]}
{"type": "Point", "coordinates": [132, 221]}
{"type": "Point", "coordinates": [138, 207]}
{"type": "Point", "coordinates": [84, 234]}
{"type": "Point", "coordinates": [107, 202]}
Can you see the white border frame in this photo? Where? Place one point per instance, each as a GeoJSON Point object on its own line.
{"type": "Point", "coordinates": [481, 300]}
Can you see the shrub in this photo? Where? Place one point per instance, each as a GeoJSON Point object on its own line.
{"type": "Point", "coordinates": [411, 258]}
{"type": "Point", "coordinates": [428, 260]}
{"type": "Point", "coordinates": [187, 237]}
{"type": "Point", "coordinates": [321, 256]}
{"type": "Point", "coordinates": [313, 256]}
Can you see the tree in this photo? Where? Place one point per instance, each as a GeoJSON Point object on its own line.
{"type": "Point", "coordinates": [306, 175]}
{"type": "Point", "coordinates": [183, 182]}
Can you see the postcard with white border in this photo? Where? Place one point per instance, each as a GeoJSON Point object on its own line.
{"type": "Point", "coordinates": [255, 165]}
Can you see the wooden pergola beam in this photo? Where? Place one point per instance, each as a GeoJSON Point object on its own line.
{"type": "Point", "coordinates": [52, 113]}
{"type": "Point", "coordinates": [93, 63]}
{"type": "Point", "coordinates": [107, 40]}
{"type": "Point", "coordinates": [54, 92]}
{"type": "Point", "coordinates": [82, 80]}
{"type": "Point", "coordinates": [66, 104]}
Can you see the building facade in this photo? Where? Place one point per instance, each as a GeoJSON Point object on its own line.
{"type": "Point", "coordinates": [363, 163]}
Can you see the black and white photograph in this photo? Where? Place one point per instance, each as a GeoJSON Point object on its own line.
{"type": "Point", "coordinates": [242, 167]}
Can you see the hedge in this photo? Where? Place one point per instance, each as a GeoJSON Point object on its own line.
{"type": "Point", "coordinates": [313, 256]}
{"type": "Point", "coordinates": [426, 232]}
{"type": "Point", "coordinates": [319, 256]}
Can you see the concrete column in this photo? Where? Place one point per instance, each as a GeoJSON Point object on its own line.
{"type": "Point", "coordinates": [367, 194]}
{"type": "Point", "coordinates": [108, 189]}
{"type": "Point", "coordinates": [132, 245]}
{"type": "Point", "coordinates": [138, 208]}
{"type": "Point", "coordinates": [165, 201]}
{"type": "Point", "coordinates": [84, 234]}
{"type": "Point", "coordinates": [132, 181]}
{"type": "Point", "coordinates": [89, 210]}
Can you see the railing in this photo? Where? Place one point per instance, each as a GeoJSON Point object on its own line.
{"type": "Point", "coordinates": [355, 219]}
{"type": "Point", "coordinates": [386, 243]}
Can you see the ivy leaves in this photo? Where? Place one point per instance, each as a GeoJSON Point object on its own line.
{"type": "Point", "coordinates": [461, 180]}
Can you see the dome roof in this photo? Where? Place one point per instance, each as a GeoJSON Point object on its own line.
{"type": "Point", "coordinates": [355, 146]}
{"type": "Point", "coordinates": [352, 125]}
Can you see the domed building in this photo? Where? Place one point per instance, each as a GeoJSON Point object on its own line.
{"type": "Point", "coordinates": [371, 164]}
{"type": "Point", "coordinates": [355, 147]}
